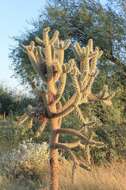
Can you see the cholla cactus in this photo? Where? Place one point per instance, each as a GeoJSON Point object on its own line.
{"type": "Point", "coordinates": [47, 58]}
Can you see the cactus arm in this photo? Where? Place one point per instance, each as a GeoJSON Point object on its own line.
{"type": "Point", "coordinates": [106, 100]}
{"type": "Point", "coordinates": [76, 144]}
{"type": "Point", "coordinates": [89, 125]}
{"type": "Point", "coordinates": [31, 57]}
{"type": "Point", "coordinates": [74, 132]}
{"type": "Point", "coordinates": [97, 143]}
{"type": "Point", "coordinates": [98, 146]}
{"type": "Point", "coordinates": [36, 59]}
{"type": "Point", "coordinates": [68, 109]}
{"type": "Point", "coordinates": [80, 115]}
{"type": "Point", "coordinates": [71, 67]}
{"type": "Point", "coordinates": [73, 156]}
{"type": "Point", "coordinates": [69, 103]}
{"type": "Point", "coordinates": [71, 145]}
{"type": "Point", "coordinates": [90, 44]}
{"type": "Point", "coordinates": [88, 59]}
{"type": "Point", "coordinates": [54, 37]}
{"type": "Point", "coordinates": [103, 96]}
{"type": "Point", "coordinates": [86, 91]}
{"type": "Point", "coordinates": [41, 63]}
{"type": "Point", "coordinates": [85, 61]}
{"type": "Point", "coordinates": [94, 61]}
{"type": "Point", "coordinates": [85, 64]}
{"type": "Point", "coordinates": [61, 56]}
{"type": "Point", "coordinates": [61, 88]}
{"type": "Point", "coordinates": [63, 45]}
{"type": "Point", "coordinates": [30, 123]}
{"type": "Point", "coordinates": [76, 84]}
{"type": "Point", "coordinates": [64, 147]}
{"type": "Point", "coordinates": [90, 82]}
{"type": "Point", "coordinates": [88, 147]}
{"type": "Point", "coordinates": [78, 49]}
{"type": "Point", "coordinates": [76, 162]}
{"type": "Point", "coordinates": [23, 119]}
{"type": "Point", "coordinates": [41, 128]}
{"type": "Point", "coordinates": [60, 52]}
{"type": "Point", "coordinates": [39, 41]}
{"type": "Point", "coordinates": [67, 44]}
{"type": "Point", "coordinates": [48, 58]}
{"type": "Point", "coordinates": [64, 112]}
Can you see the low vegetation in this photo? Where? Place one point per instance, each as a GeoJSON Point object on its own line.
{"type": "Point", "coordinates": [26, 168]}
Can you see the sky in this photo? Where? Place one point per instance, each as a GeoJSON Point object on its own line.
{"type": "Point", "coordinates": [15, 18]}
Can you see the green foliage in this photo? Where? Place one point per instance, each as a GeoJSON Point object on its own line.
{"type": "Point", "coordinates": [12, 104]}
{"type": "Point", "coordinates": [80, 20]}
{"type": "Point", "coordinates": [11, 135]}
{"type": "Point", "coordinates": [6, 100]}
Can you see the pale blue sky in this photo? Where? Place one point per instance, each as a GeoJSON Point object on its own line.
{"type": "Point", "coordinates": [14, 17]}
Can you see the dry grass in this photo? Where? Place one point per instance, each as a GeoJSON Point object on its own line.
{"type": "Point", "coordinates": [111, 177]}
{"type": "Point", "coordinates": [31, 173]}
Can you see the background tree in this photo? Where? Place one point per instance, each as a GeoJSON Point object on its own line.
{"type": "Point", "coordinates": [81, 20]}
{"type": "Point", "coordinates": [12, 103]}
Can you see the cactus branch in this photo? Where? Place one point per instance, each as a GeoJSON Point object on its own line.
{"type": "Point", "coordinates": [74, 132]}
{"type": "Point", "coordinates": [41, 128]}
{"type": "Point", "coordinates": [73, 156]}
{"type": "Point", "coordinates": [80, 115]}
{"type": "Point", "coordinates": [22, 119]}
{"type": "Point", "coordinates": [54, 37]}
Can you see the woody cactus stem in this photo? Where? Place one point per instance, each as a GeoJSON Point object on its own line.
{"type": "Point", "coordinates": [52, 92]}
{"type": "Point", "coordinates": [47, 59]}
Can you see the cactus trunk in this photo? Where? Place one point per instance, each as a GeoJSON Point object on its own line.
{"type": "Point", "coordinates": [54, 165]}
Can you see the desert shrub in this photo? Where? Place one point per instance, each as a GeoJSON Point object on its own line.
{"type": "Point", "coordinates": [6, 100]}
{"type": "Point", "coordinates": [11, 103]}
{"type": "Point", "coordinates": [26, 165]}
{"type": "Point", "coordinates": [11, 135]}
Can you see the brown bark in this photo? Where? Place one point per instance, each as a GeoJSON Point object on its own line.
{"type": "Point", "coordinates": [54, 164]}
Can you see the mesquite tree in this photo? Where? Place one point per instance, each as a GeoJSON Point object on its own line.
{"type": "Point", "coordinates": [47, 58]}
